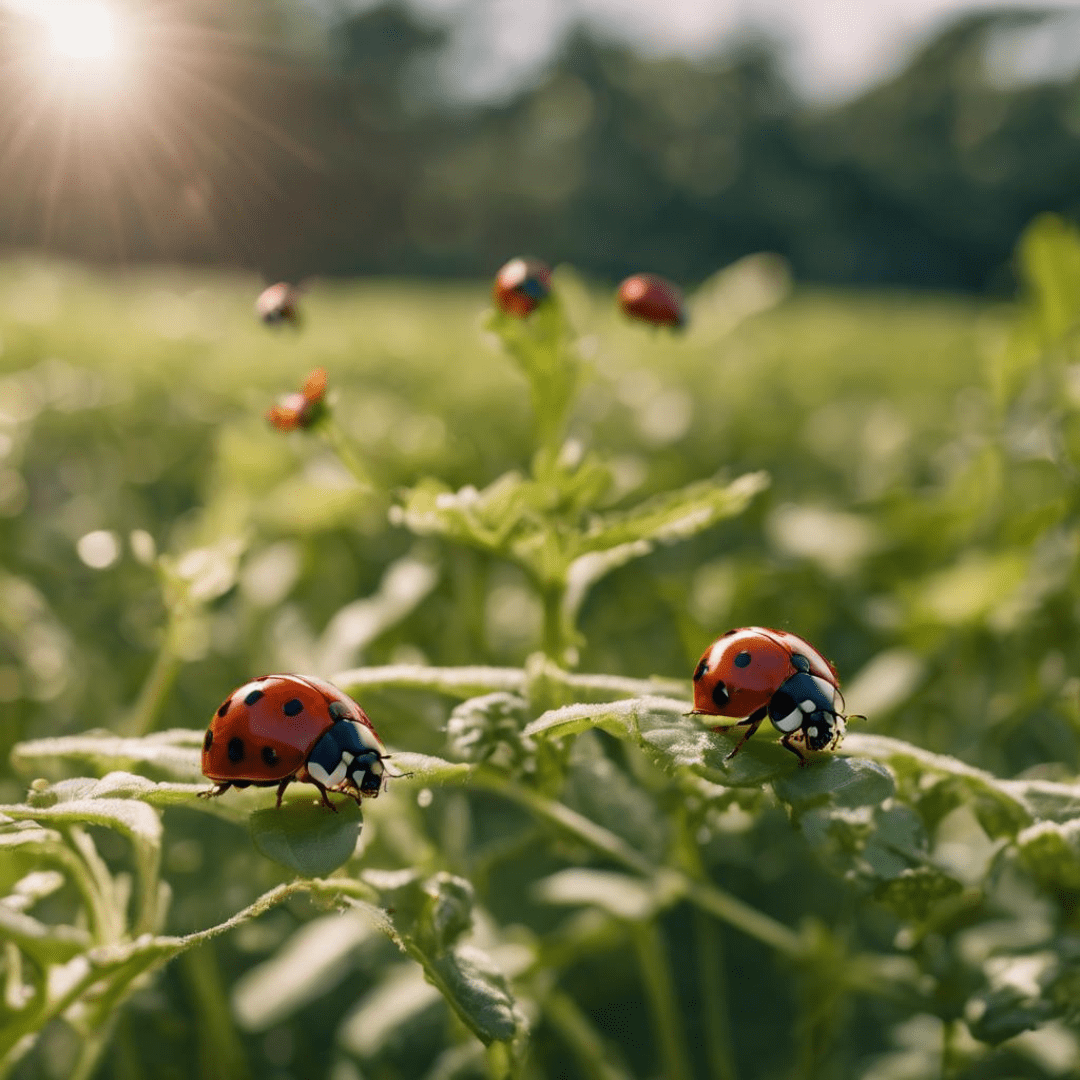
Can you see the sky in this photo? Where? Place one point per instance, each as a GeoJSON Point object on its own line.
{"type": "Point", "coordinates": [834, 48]}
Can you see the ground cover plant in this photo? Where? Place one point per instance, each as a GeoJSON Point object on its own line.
{"type": "Point", "coordinates": [514, 566]}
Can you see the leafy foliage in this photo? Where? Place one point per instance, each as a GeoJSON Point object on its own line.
{"type": "Point", "coordinates": [560, 845]}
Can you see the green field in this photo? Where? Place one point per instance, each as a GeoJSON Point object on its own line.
{"type": "Point", "coordinates": [902, 915]}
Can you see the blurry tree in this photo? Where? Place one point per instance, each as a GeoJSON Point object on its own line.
{"type": "Point", "coordinates": [252, 138]}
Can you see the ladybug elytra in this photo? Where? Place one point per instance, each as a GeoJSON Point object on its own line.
{"type": "Point", "coordinates": [652, 299]}
{"type": "Point", "coordinates": [756, 673]}
{"type": "Point", "coordinates": [521, 285]}
{"type": "Point", "coordinates": [277, 304]}
{"type": "Point", "coordinates": [280, 728]}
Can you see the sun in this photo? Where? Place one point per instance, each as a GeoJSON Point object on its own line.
{"type": "Point", "coordinates": [83, 32]}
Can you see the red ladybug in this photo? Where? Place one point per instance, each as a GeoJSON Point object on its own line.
{"type": "Point", "coordinates": [301, 410]}
{"type": "Point", "coordinates": [277, 304]}
{"type": "Point", "coordinates": [280, 728]}
{"type": "Point", "coordinates": [652, 299]}
{"type": "Point", "coordinates": [756, 673]}
{"type": "Point", "coordinates": [521, 285]}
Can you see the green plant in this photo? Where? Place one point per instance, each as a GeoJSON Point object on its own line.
{"type": "Point", "coordinates": [886, 909]}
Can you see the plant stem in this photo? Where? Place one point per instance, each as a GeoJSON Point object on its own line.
{"type": "Point", "coordinates": [552, 643]}
{"type": "Point", "coordinates": [715, 1015]}
{"type": "Point", "coordinates": [155, 688]}
{"type": "Point", "coordinates": [221, 1051]}
{"type": "Point", "coordinates": [90, 1053]}
{"type": "Point", "coordinates": [659, 988]}
{"type": "Point", "coordinates": [594, 1057]}
{"type": "Point", "coordinates": [348, 457]}
{"type": "Point", "coordinates": [948, 1049]}
{"type": "Point", "coordinates": [702, 894]}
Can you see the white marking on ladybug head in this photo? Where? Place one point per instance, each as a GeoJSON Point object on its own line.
{"type": "Point", "coordinates": [812, 732]}
{"type": "Point", "coordinates": [826, 688]}
{"type": "Point", "coordinates": [346, 756]}
{"type": "Point", "coordinates": [791, 722]}
{"type": "Point", "coordinates": [807, 706]}
{"type": "Point", "coordinates": [323, 777]}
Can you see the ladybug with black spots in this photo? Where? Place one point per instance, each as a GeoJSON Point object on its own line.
{"type": "Point", "coordinates": [280, 728]}
{"type": "Point", "coordinates": [521, 286]}
{"type": "Point", "coordinates": [756, 673]}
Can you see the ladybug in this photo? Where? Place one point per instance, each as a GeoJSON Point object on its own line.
{"type": "Point", "coordinates": [652, 299]}
{"type": "Point", "coordinates": [303, 408]}
{"type": "Point", "coordinates": [277, 304]}
{"type": "Point", "coordinates": [280, 728]}
{"type": "Point", "coordinates": [756, 673]}
{"type": "Point", "coordinates": [521, 285]}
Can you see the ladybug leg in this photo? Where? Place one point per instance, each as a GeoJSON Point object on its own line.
{"type": "Point", "coordinates": [751, 723]}
{"type": "Point", "coordinates": [218, 789]}
{"type": "Point", "coordinates": [322, 791]}
{"type": "Point", "coordinates": [282, 786]}
{"type": "Point", "coordinates": [787, 744]}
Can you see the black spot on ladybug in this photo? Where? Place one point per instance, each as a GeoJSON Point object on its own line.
{"type": "Point", "coordinates": [720, 694]}
{"type": "Point", "coordinates": [799, 662]}
{"type": "Point", "coordinates": [701, 669]}
{"type": "Point", "coordinates": [742, 660]}
{"type": "Point", "coordinates": [292, 706]}
{"type": "Point", "coordinates": [781, 704]}
{"type": "Point", "coordinates": [253, 697]}
{"type": "Point", "coordinates": [269, 755]}
{"type": "Point", "coordinates": [236, 749]}
{"type": "Point", "coordinates": [208, 741]}
{"type": "Point", "coordinates": [338, 710]}
{"type": "Point", "coordinates": [224, 708]}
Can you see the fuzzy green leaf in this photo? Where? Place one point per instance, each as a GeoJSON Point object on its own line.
{"type": "Point", "coordinates": [46, 943]}
{"type": "Point", "coordinates": [479, 994]}
{"type": "Point", "coordinates": [844, 781]}
{"type": "Point", "coordinates": [173, 754]}
{"type": "Point", "coordinates": [458, 682]}
{"type": "Point", "coordinates": [306, 837]}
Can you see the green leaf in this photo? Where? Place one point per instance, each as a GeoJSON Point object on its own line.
{"type": "Point", "coordinates": [1049, 257]}
{"type": "Point", "coordinates": [427, 769]}
{"type": "Point", "coordinates": [479, 994]}
{"type": "Point", "coordinates": [123, 785]}
{"type": "Point", "coordinates": [489, 728]}
{"type": "Point", "coordinates": [459, 682]}
{"type": "Point", "coordinates": [916, 891]}
{"type": "Point", "coordinates": [843, 781]}
{"type": "Point", "coordinates": [621, 895]}
{"type": "Point", "coordinates": [173, 754]}
{"type": "Point", "coordinates": [674, 515]}
{"type": "Point", "coordinates": [1051, 854]}
{"type": "Point", "coordinates": [306, 837]}
{"type": "Point", "coordinates": [134, 819]}
{"type": "Point", "coordinates": [616, 718]}
{"type": "Point", "coordinates": [386, 1013]}
{"type": "Point", "coordinates": [311, 962]}
{"type": "Point", "coordinates": [47, 944]}
{"type": "Point", "coordinates": [447, 914]}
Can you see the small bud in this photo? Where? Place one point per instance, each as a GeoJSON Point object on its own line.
{"type": "Point", "coordinates": [521, 285]}
{"type": "Point", "coordinates": [653, 300]}
{"type": "Point", "coordinates": [277, 305]}
{"type": "Point", "coordinates": [303, 408]}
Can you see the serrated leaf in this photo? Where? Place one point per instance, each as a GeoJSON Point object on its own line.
{"type": "Point", "coordinates": [843, 781]}
{"type": "Point", "coordinates": [479, 994]}
{"type": "Point", "coordinates": [174, 753]}
{"type": "Point", "coordinates": [1051, 854]}
{"type": "Point", "coordinates": [916, 891]}
{"type": "Point", "coordinates": [306, 837]}
{"type": "Point", "coordinates": [674, 515]}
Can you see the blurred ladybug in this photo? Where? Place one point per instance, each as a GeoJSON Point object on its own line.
{"type": "Point", "coordinates": [521, 285]}
{"type": "Point", "coordinates": [280, 728]}
{"type": "Point", "coordinates": [301, 410]}
{"type": "Point", "coordinates": [278, 304]}
{"type": "Point", "coordinates": [756, 673]}
{"type": "Point", "coordinates": [652, 299]}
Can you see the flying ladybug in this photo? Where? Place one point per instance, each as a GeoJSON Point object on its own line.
{"type": "Point", "coordinates": [757, 673]}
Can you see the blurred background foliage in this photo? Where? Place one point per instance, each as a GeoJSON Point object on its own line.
{"type": "Point", "coordinates": [266, 137]}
